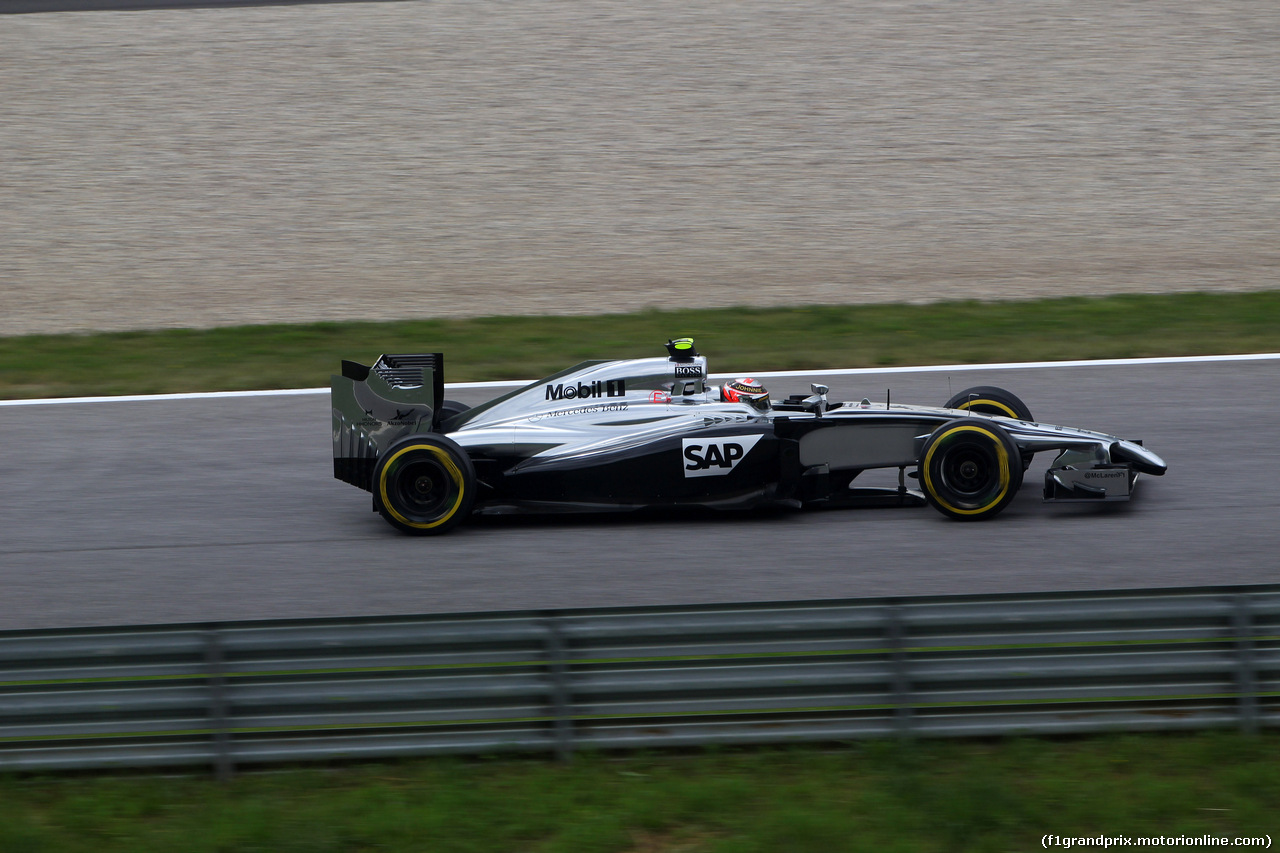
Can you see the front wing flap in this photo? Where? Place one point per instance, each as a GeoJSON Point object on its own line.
{"type": "Point", "coordinates": [1101, 483]}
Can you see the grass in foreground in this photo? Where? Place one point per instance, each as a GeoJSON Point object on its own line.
{"type": "Point", "coordinates": [874, 796]}
{"type": "Point", "coordinates": [735, 339]}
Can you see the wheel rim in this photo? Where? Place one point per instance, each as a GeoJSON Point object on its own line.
{"type": "Point", "coordinates": [972, 472]}
{"type": "Point", "coordinates": [967, 470]}
{"type": "Point", "coordinates": [422, 486]}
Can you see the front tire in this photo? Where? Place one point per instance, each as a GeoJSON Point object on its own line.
{"type": "Point", "coordinates": [424, 485]}
{"type": "Point", "coordinates": [990, 400]}
{"type": "Point", "coordinates": [969, 469]}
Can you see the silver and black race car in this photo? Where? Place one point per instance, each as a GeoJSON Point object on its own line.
{"type": "Point", "coordinates": [653, 432]}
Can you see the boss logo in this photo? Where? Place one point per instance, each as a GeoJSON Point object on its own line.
{"type": "Point", "coordinates": [693, 370]}
{"type": "Point", "coordinates": [715, 457]}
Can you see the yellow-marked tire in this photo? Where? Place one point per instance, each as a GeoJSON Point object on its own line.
{"type": "Point", "coordinates": [970, 469]}
{"type": "Point", "coordinates": [424, 485]}
{"type": "Point", "coordinates": [990, 400]}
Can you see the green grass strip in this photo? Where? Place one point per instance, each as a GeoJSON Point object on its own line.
{"type": "Point", "coordinates": [735, 339]}
{"type": "Point", "coordinates": [882, 796]}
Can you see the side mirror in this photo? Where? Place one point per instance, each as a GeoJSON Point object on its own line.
{"type": "Point", "coordinates": [819, 400]}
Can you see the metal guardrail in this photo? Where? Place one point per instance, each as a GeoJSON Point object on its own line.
{"type": "Point", "coordinates": [247, 693]}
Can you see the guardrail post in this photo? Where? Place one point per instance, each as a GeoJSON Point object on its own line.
{"type": "Point", "coordinates": [1246, 665]}
{"type": "Point", "coordinates": [899, 682]}
{"type": "Point", "coordinates": [214, 662]}
{"type": "Point", "coordinates": [556, 663]}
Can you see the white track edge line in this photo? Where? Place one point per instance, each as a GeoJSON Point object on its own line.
{"type": "Point", "coordinates": [856, 371]}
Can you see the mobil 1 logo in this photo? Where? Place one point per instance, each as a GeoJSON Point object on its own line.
{"type": "Point", "coordinates": [715, 457]}
{"type": "Point", "coordinates": [598, 388]}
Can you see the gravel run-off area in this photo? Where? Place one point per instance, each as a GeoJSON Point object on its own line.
{"type": "Point", "coordinates": [469, 157]}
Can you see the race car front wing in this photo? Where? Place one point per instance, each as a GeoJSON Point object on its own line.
{"type": "Point", "coordinates": [1089, 476]}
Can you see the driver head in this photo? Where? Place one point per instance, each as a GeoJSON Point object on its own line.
{"type": "Point", "coordinates": [746, 390]}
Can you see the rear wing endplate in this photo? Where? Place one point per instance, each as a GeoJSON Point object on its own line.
{"type": "Point", "coordinates": [374, 406]}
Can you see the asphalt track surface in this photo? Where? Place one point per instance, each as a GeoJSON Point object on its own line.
{"type": "Point", "coordinates": [224, 509]}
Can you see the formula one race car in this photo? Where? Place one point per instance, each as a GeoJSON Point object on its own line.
{"type": "Point", "coordinates": [652, 432]}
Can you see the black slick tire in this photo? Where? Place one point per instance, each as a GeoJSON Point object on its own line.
{"type": "Point", "coordinates": [449, 410]}
{"type": "Point", "coordinates": [424, 485]}
{"type": "Point", "coordinates": [991, 400]}
{"type": "Point", "coordinates": [969, 469]}
{"type": "Point", "coordinates": [452, 408]}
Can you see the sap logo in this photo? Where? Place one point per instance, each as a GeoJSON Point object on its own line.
{"type": "Point", "coordinates": [608, 388]}
{"type": "Point", "coordinates": [716, 457]}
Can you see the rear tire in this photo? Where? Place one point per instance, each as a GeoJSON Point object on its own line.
{"type": "Point", "coordinates": [424, 485]}
{"type": "Point", "coordinates": [449, 410]}
{"type": "Point", "coordinates": [969, 469]}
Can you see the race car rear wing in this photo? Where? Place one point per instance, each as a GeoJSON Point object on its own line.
{"type": "Point", "coordinates": [374, 406]}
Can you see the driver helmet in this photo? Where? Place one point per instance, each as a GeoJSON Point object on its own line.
{"type": "Point", "coordinates": [745, 390]}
